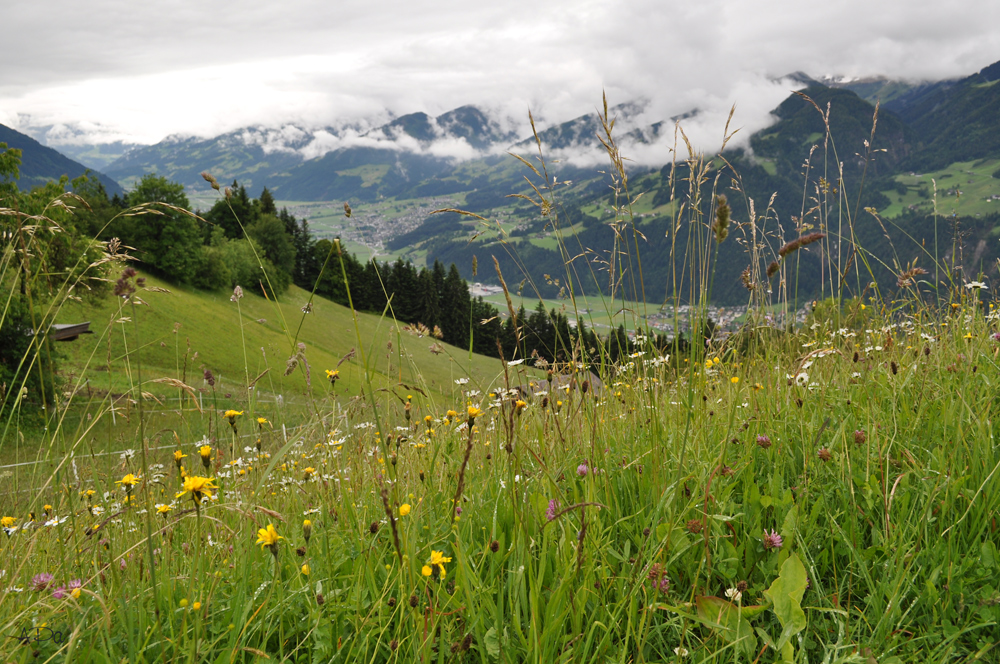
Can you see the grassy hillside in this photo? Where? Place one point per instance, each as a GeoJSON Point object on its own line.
{"type": "Point", "coordinates": [965, 188]}
{"type": "Point", "coordinates": [212, 325]}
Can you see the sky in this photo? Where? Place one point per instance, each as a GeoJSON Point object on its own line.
{"type": "Point", "coordinates": [110, 70]}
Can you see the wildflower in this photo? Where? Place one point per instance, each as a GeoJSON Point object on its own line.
{"type": "Point", "coordinates": [519, 405]}
{"type": "Point", "coordinates": [553, 508]}
{"type": "Point", "coordinates": [494, 546]}
{"type": "Point", "coordinates": [178, 455]}
{"type": "Point", "coordinates": [733, 594]}
{"type": "Point", "coordinates": [763, 441]}
{"type": "Point", "coordinates": [237, 293]}
{"type": "Point", "coordinates": [332, 376]}
{"type": "Point", "coordinates": [860, 437]}
{"type": "Point", "coordinates": [40, 582]}
{"type": "Point", "coordinates": [196, 606]}
{"type": "Point", "coordinates": [438, 559]}
{"type": "Point", "coordinates": [801, 378]}
{"type": "Point", "coordinates": [582, 470]}
{"type": "Point", "coordinates": [306, 569]}
{"type": "Point", "coordinates": [231, 415]}
{"type": "Point", "coordinates": [473, 414]}
{"type": "Point", "coordinates": [426, 570]}
{"type": "Point", "coordinates": [404, 509]}
{"type": "Point", "coordinates": [164, 510]}
{"type": "Point", "coordinates": [268, 537]}
{"type": "Point", "coordinates": [206, 455]}
{"type": "Point", "coordinates": [199, 488]}
{"type": "Point", "coordinates": [976, 285]}
{"type": "Point", "coordinates": [658, 576]}
{"type": "Point", "coordinates": [681, 651]}
{"type": "Point", "coordinates": [74, 588]}
{"type": "Point", "coordinates": [772, 540]}
{"type": "Point", "coordinates": [128, 481]}
{"type": "Point", "coordinates": [824, 454]}
{"type": "Point", "coordinates": [449, 416]}
{"type": "Point", "coordinates": [308, 472]}
{"type": "Point", "coordinates": [262, 421]}
{"type": "Point", "coordinates": [59, 593]}
{"type": "Point", "coordinates": [734, 380]}
{"type": "Point", "coordinates": [307, 529]}
{"type": "Point", "coordinates": [8, 521]}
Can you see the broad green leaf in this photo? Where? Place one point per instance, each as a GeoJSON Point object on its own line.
{"type": "Point", "coordinates": [786, 597]}
{"type": "Point", "coordinates": [492, 643]}
{"type": "Point", "coordinates": [726, 619]}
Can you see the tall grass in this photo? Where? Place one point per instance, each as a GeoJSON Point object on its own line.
{"type": "Point", "coordinates": [823, 492]}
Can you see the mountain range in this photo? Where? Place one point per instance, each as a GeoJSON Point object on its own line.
{"type": "Point", "coordinates": [922, 127]}
{"type": "Point", "coordinates": [40, 164]}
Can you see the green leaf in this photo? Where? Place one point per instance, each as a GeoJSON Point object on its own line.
{"type": "Point", "coordinates": [725, 618]}
{"type": "Point", "coordinates": [492, 643]}
{"type": "Point", "coordinates": [786, 596]}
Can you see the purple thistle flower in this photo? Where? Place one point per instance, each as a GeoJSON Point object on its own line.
{"type": "Point", "coordinates": [550, 513]}
{"type": "Point", "coordinates": [772, 540]}
{"type": "Point", "coordinates": [60, 592]}
{"type": "Point", "coordinates": [763, 441]}
{"type": "Point", "coordinates": [41, 581]}
{"type": "Point", "coordinates": [582, 470]}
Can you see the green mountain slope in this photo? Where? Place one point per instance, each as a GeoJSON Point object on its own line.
{"type": "Point", "coordinates": [40, 164]}
{"type": "Point", "coordinates": [212, 324]}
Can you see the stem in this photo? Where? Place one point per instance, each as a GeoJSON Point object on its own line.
{"type": "Point", "coordinates": [147, 517]}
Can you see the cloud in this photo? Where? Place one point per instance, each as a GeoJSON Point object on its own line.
{"type": "Point", "coordinates": [139, 72]}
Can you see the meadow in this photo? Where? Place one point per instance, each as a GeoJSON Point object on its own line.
{"type": "Point", "coordinates": [824, 492]}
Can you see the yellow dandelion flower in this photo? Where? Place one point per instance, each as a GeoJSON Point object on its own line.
{"type": "Point", "coordinates": [268, 537]}
{"type": "Point", "coordinates": [164, 510]}
{"type": "Point", "coordinates": [262, 421]}
{"type": "Point", "coordinates": [734, 380]}
{"type": "Point", "coordinates": [199, 487]}
{"type": "Point", "coordinates": [205, 451]}
{"type": "Point", "coordinates": [8, 521]}
{"type": "Point", "coordinates": [308, 472]}
{"type": "Point", "coordinates": [404, 509]}
{"type": "Point", "coordinates": [128, 482]}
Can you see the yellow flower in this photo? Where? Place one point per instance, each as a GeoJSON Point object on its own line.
{"type": "Point", "coordinates": [519, 405]}
{"type": "Point", "coordinates": [307, 529]}
{"type": "Point", "coordinates": [438, 559]}
{"type": "Point", "coordinates": [734, 380]}
{"type": "Point", "coordinates": [305, 569]}
{"type": "Point", "coordinates": [427, 420]}
{"type": "Point", "coordinates": [178, 455]}
{"type": "Point", "coordinates": [426, 570]}
{"type": "Point", "coordinates": [332, 375]}
{"type": "Point", "coordinates": [232, 415]}
{"type": "Point", "coordinates": [262, 421]}
{"type": "Point", "coordinates": [183, 603]}
{"type": "Point", "coordinates": [8, 521]}
{"type": "Point", "coordinates": [199, 487]}
{"type": "Point", "coordinates": [75, 593]}
{"type": "Point", "coordinates": [196, 606]}
{"type": "Point", "coordinates": [308, 472]}
{"type": "Point", "coordinates": [269, 537]}
{"type": "Point", "coordinates": [474, 412]}
{"type": "Point", "coordinates": [163, 509]}
{"type": "Point", "coordinates": [205, 451]}
{"type": "Point", "coordinates": [128, 482]}
{"type": "Point", "coordinates": [404, 509]}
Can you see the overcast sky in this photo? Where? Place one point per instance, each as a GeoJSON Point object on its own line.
{"type": "Point", "coordinates": [139, 71]}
